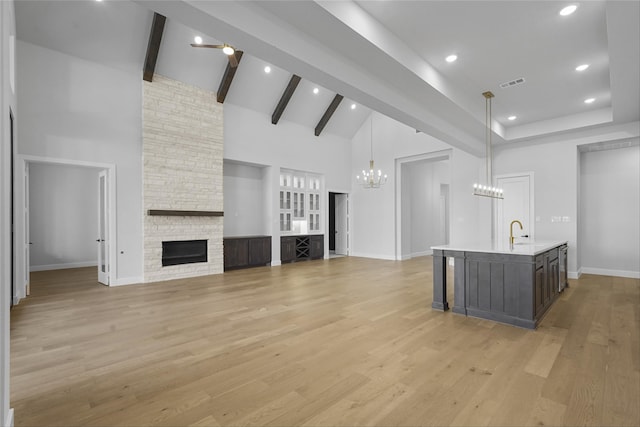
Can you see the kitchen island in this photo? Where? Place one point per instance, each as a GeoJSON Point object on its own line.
{"type": "Point", "coordinates": [513, 284]}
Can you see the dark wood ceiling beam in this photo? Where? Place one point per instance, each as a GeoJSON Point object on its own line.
{"type": "Point", "coordinates": [284, 99]}
{"type": "Point", "coordinates": [153, 48]}
{"type": "Point", "coordinates": [227, 78]}
{"type": "Point", "coordinates": [327, 114]}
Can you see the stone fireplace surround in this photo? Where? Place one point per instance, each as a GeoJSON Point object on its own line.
{"type": "Point", "coordinates": [182, 171]}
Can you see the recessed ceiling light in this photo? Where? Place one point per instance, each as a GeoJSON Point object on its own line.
{"type": "Point", "coordinates": [568, 10]}
{"type": "Point", "coordinates": [582, 67]}
{"type": "Point", "coordinates": [228, 50]}
{"type": "Point", "coordinates": [316, 90]}
{"type": "Point", "coordinates": [589, 100]}
{"type": "Point", "coordinates": [451, 58]}
{"type": "Point", "coordinates": [512, 117]}
{"type": "Point", "coordinates": [99, 1]}
{"type": "Point", "coordinates": [197, 40]}
{"type": "Point", "coordinates": [267, 69]}
{"type": "Point", "coordinates": [353, 106]}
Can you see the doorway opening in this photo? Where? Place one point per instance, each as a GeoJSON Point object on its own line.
{"type": "Point", "coordinates": [608, 208]}
{"type": "Point", "coordinates": [423, 206]}
{"type": "Point", "coordinates": [67, 220]}
{"type": "Point", "coordinates": [338, 224]}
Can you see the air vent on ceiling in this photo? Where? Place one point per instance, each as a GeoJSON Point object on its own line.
{"type": "Point", "coordinates": [512, 83]}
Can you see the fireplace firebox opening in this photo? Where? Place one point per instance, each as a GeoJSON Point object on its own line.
{"type": "Point", "coordinates": [184, 252]}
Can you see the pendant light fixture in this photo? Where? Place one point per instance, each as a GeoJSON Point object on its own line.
{"type": "Point", "coordinates": [371, 179]}
{"type": "Point", "coordinates": [488, 190]}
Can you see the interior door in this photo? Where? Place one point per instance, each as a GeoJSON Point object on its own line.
{"type": "Point", "coordinates": [342, 224]}
{"type": "Point", "coordinates": [103, 228]}
{"type": "Point", "coordinates": [517, 204]}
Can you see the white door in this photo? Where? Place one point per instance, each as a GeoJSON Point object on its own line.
{"type": "Point", "coordinates": [517, 204]}
{"type": "Point", "coordinates": [342, 224]}
{"type": "Point", "coordinates": [27, 238]}
{"type": "Point", "coordinates": [103, 228]}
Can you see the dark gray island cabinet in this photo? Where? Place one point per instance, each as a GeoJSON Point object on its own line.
{"type": "Point", "coordinates": [514, 285]}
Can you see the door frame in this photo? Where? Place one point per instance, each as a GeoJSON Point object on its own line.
{"type": "Point", "coordinates": [532, 218]}
{"type": "Point", "coordinates": [23, 160]}
{"type": "Point", "coordinates": [103, 227]}
{"type": "Point", "coordinates": [328, 228]}
{"type": "Point", "coordinates": [434, 156]}
{"type": "Point", "coordinates": [346, 220]}
{"type": "Point", "coordinates": [12, 214]}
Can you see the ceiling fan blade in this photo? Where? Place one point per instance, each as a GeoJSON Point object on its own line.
{"type": "Point", "coordinates": [233, 60]}
{"type": "Point", "coordinates": [210, 46]}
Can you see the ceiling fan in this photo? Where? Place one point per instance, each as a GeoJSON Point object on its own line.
{"type": "Point", "coordinates": [226, 49]}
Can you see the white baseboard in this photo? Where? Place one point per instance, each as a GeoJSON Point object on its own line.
{"type": "Point", "coordinates": [275, 263]}
{"type": "Point", "coordinates": [428, 252]}
{"type": "Point", "coordinates": [63, 266]}
{"type": "Point", "coordinates": [574, 274]}
{"type": "Point", "coordinates": [607, 272]}
{"type": "Point", "coordinates": [375, 256]}
{"type": "Point", "coordinates": [9, 421]}
{"type": "Point", "coordinates": [16, 300]}
{"type": "Point", "coordinates": [415, 255]}
{"type": "Point", "coordinates": [123, 281]}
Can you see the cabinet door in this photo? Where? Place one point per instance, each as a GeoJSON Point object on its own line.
{"type": "Point", "coordinates": [540, 287]}
{"type": "Point", "coordinates": [554, 272]}
{"type": "Point", "coordinates": [317, 246]}
{"type": "Point", "coordinates": [260, 251]}
{"type": "Point", "coordinates": [287, 249]}
{"type": "Point", "coordinates": [236, 253]}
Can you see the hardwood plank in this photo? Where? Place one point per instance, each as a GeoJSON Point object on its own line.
{"type": "Point", "coordinates": [620, 391]}
{"type": "Point", "coordinates": [585, 407]}
{"type": "Point", "coordinates": [546, 412]}
{"type": "Point", "coordinates": [544, 357]}
{"type": "Point", "coordinates": [348, 341]}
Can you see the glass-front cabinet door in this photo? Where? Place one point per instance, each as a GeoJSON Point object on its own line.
{"type": "Point", "coordinates": [300, 206]}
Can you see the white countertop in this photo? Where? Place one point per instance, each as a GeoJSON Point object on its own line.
{"type": "Point", "coordinates": [519, 248]}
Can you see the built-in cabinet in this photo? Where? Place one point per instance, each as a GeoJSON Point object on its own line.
{"type": "Point", "coordinates": [301, 248]}
{"type": "Point", "coordinates": [246, 251]}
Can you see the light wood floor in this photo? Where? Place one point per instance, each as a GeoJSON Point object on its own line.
{"type": "Point", "coordinates": [340, 342]}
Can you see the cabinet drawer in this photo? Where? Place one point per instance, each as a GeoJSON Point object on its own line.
{"type": "Point", "coordinates": [539, 261]}
{"type": "Point", "coordinates": [553, 254]}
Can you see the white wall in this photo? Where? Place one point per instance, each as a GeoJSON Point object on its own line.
{"type": "Point", "coordinates": [63, 220]}
{"type": "Point", "coordinates": [7, 102]}
{"type": "Point", "coordinates": [373, 213]}
{"type": "Point", "coordinates": [554, 162]}
{"type": "Point", "coordinates": [250, 137]}
{"type": "Point", "coordinates": [610, 212]}
{"type": "Point", "coordinates": [83, 111]}
{"type": "Point", "coordinates": [243, 200]}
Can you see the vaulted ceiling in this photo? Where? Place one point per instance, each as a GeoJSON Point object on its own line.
{"type": "Point", "coordinates": [383, 55]}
